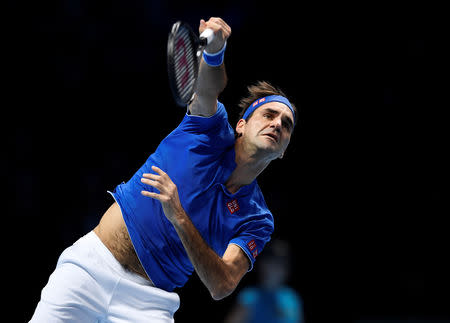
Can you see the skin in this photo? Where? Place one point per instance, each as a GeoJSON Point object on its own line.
{"type": "Point", "coordinates": [211, 81]}
{"type": "Point", "coordinates": [263, 138]}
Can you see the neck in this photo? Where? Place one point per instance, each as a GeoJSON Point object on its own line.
{"type": "Point", "coordinates": [248, 167]}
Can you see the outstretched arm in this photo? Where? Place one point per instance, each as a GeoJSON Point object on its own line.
{"type": "Point", "coordinates": [220, 275]}
{"type": "Point", "coordinates": [211, 80]}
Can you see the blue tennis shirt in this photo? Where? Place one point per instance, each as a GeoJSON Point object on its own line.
{"type": "Point", "coordinates": [199, 157]}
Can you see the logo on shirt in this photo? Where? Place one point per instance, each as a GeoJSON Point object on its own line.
{"type": "Point", "coordinates": [233, 206]}
{"type": "Point", "coordinates": [252, 246]}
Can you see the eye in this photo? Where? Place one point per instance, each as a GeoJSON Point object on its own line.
{"type": "Point", "coordinates": [287, 125]}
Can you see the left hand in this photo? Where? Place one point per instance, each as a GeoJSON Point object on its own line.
{"type": "Point", "coordinates": [168, 193]}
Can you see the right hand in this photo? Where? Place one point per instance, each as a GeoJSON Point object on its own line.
{"type": "Point", "coordinates": [221, 33]}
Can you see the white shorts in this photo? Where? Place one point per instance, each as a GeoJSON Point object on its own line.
{"type": "Point", "coordinates": [90, 285]}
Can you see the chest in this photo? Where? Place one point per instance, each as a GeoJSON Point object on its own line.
{"type": "Point", "coordinates": [219, 216]}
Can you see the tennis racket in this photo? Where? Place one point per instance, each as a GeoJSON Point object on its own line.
{"type": "Point", "coordinates": [184, 49]}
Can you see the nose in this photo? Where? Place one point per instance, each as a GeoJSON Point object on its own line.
{"type": "Point", "coordinates": [276, 124]}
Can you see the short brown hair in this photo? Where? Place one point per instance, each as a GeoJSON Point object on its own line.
{"type": "Point", "coordinates": [259, 90]}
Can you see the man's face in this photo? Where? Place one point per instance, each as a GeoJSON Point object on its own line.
{"type": "Point", "coordinates": [269, 129]}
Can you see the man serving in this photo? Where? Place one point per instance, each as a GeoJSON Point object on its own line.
{"type": "Point", "coordinates": [194, 205]}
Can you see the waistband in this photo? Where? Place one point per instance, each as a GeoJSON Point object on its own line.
{"type": "Point", "coordinates": [95, 243]}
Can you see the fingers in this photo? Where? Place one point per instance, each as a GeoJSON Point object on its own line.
{"type": "Point", "coordinates": [155, 180]}
{"type": "Point", "coordinates": [202, 26]}
{"type": "Point", "coordinates": [150, 176]}
{"type": "Point", "coordinates": [158, 170]}
{"type": "Point", "coordinates": [220, 22]}
{"type": "Point", "coordinates": [224, 26]}
{"type": "Point", "coordinates": [151, 194]}
{"type": "Point", "coordinates": [216, 24]}
{"type": "Point", "coordinates": [153, 183]}
{"type": "Point", "coordinates": [160, 181]}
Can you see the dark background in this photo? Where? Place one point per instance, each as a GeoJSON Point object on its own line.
{"type": "Point", "coordinates": [361, 194]}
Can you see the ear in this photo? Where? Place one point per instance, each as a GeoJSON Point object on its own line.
{"type": "Point", "coordinates": [240, 126]}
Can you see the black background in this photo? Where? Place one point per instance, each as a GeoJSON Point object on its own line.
{"type": "Point", "coordinates": [361, 194]}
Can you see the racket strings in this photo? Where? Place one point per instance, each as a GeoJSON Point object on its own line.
{"type": "Point", "coordinates": [184, 61]}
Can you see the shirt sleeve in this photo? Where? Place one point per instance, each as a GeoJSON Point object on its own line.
{"type": "Point", "coordinates": [253, 240]}
{"type": "Point", "coordinates": [198, 124]}
{"type": "Point", "coordinates": [209, 134]}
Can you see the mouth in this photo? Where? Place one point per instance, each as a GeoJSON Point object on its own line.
{"type": "Point", "coordinates": [273, 136]}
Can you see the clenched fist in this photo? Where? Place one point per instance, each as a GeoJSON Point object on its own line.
{"type": "Point", "coordinates": [221, 33]}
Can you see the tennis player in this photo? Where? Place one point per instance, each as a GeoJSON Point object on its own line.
{"type": "Point", "coordinates": [194, 205]}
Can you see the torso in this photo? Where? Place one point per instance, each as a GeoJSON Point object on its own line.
{"type": "Point", "coordinates": [199, 156]}
{"type": "Point", "coordinates": [113, 232]}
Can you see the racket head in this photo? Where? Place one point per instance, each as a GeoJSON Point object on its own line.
{"type": "Point", "coordinates": [182, 62]}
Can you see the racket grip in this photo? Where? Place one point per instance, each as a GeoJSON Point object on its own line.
{"type": "Point", "coordinates": [207, 34]}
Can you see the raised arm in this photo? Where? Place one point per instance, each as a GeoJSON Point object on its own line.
{"type": "Point", "coordinates": [211, 80]}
